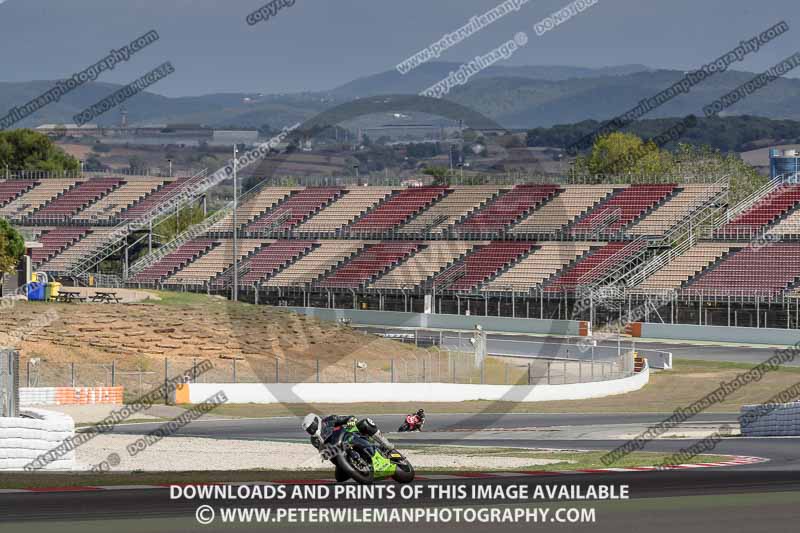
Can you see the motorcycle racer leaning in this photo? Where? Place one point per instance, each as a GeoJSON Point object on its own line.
{"type": "Point", "coordinates": [316, 427]}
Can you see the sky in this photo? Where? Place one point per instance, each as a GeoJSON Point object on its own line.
{"type": "Point", "coordinates": [316, 45]}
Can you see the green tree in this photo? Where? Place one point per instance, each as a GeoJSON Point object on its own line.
{"type": "Point", "coordinates": [29, 150]}
{"type": "Point", "coordinates": [137, 163]}
{"type": "Point", "coordinates": [12, 248]}
{"type": "Point", "coordinates": [439, 174]}
{"type": "Point", "coordinates": [175, 224]}
{"type": "Point", "coordinates": [618, 154]}
{"type": "Point", "coordinates": [93, 163]}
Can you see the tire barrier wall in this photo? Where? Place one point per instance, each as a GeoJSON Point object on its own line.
{"type": "Point", "coordinates": [70, 395]}
{"type": "Point", "coordinates": [405, 392]}
{"type": "Point", "coordinates": [34, 432]}
{"type": "Point", "coordinates": [771, 420]}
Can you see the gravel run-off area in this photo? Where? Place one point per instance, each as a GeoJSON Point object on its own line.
{"type": "Point", "coordinates": [177, 454]}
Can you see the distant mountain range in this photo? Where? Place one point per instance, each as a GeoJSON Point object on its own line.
{"type": "Point", "coordinates": [392, 82]}
{"type": "Point", "coordinates": [516, 97]}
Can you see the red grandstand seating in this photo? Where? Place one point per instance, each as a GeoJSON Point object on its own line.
{"type": "Point", "coordinates": [773, 205]}
{"type": "Point", "coordinates": [622, 209]}
{"type": "Point", "coordinates": [11, 189]}
{"type": "Point", "coordinates": [298, 207]}
{"type": "Point", "coordinates": [506, 209]}
{"type": "Point", "coordinates": [54, 241]}
{"type": "Point", "coordinates": [766, 270]}
{"type": "Point", "coordinates": [163, 194]}
{"type": "Point", "coordinates": [173, 261]}
{"type": "Point", "coordinates": [594, 265]}
{"type": "Point", "coordinates": [83, 194]}
{"type": "Point", "coordinates": [272, 258]}
{"type": "Point", "coordinates": [371, 262]}
{"type": "Point", "coordinates": [484, 262]}
{"type": "Point", "coordinates": [397, 209]}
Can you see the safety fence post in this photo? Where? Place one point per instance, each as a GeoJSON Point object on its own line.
{"type": "Point", "coordinates": [166, 381]}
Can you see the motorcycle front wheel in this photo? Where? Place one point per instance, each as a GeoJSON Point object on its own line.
{"type": "Point", "coordinates": [363, 474]}
{"type": "Point", "coordinates": [404, 472]}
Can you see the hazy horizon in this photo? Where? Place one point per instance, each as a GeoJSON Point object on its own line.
{"type": "Point", "coordinates": [316, 46]}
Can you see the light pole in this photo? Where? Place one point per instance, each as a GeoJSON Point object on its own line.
{"type": "Point", "coordinates": [235, 291]}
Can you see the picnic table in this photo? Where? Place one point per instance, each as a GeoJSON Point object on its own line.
{"type": "Point", "coordinates": [105, 297]}
{"type": "Point", "coordinates": [69, 296]}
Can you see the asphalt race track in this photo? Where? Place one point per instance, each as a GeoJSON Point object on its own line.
{"type": "Point", "coordinates": [487, 430]}
{"type": "Point", "coordinates": [733, 500]}
{"type": "Point", "coordinates": [717, 499]}
{"type": "Point", "coordinates": [759, 497]}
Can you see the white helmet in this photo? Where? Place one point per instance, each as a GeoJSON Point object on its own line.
{"type": "Point", "coordinates": [312, 424]}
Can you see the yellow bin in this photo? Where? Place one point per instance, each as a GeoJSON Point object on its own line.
{"type": "Point", "coordinates": [52, 290]}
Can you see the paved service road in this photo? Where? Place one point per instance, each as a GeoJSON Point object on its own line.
{"type": "Point", "coordinates": [562, 347]}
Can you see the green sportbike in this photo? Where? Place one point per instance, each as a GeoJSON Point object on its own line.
{"type": "Point", "coordinates": [363, 454]}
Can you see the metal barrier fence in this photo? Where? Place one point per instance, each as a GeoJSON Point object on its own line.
{"type": "Point", "coordinates": [434, 365]}
{"type": "Point", "coordinates": [9, 382]}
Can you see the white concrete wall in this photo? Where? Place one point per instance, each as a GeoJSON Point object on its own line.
{"type": "Point", "coordinates": [25, 438]}
{"type": "Point", "coordinates": [720, 333]}
{"type": "Point", "coordinates": [412, 392]}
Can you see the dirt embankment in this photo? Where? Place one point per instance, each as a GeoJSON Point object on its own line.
{"type": "Point", "coordinates": [140, 336]}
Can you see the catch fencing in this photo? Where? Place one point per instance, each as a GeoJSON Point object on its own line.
{"type": "Point", "coordinates": [9, 383]}
{"type": "Point", "coordinates": [433, 365]}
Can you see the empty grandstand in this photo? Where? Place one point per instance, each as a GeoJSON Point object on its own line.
{"type": "Point", "coordinates": [272, 258]}
{"type": "Point", "coordinates": [373, 261]}
{"type": "Point", "coordinates": [624, 207]}
{"type": "Point", "coordinates": [775, 207]}
{"type": "Point", "coordinates": [572, 202]}
{"type": "Point", "coordinates": [505, 210]}
{"type": "Point", "coordinates": [298, 207]}
{"type": "Point", "coordinates": [395, 211]}
{"type": "Point", "coordinates": [355, 203]}
{"type": "Point", "coordinates": [376, 246]}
